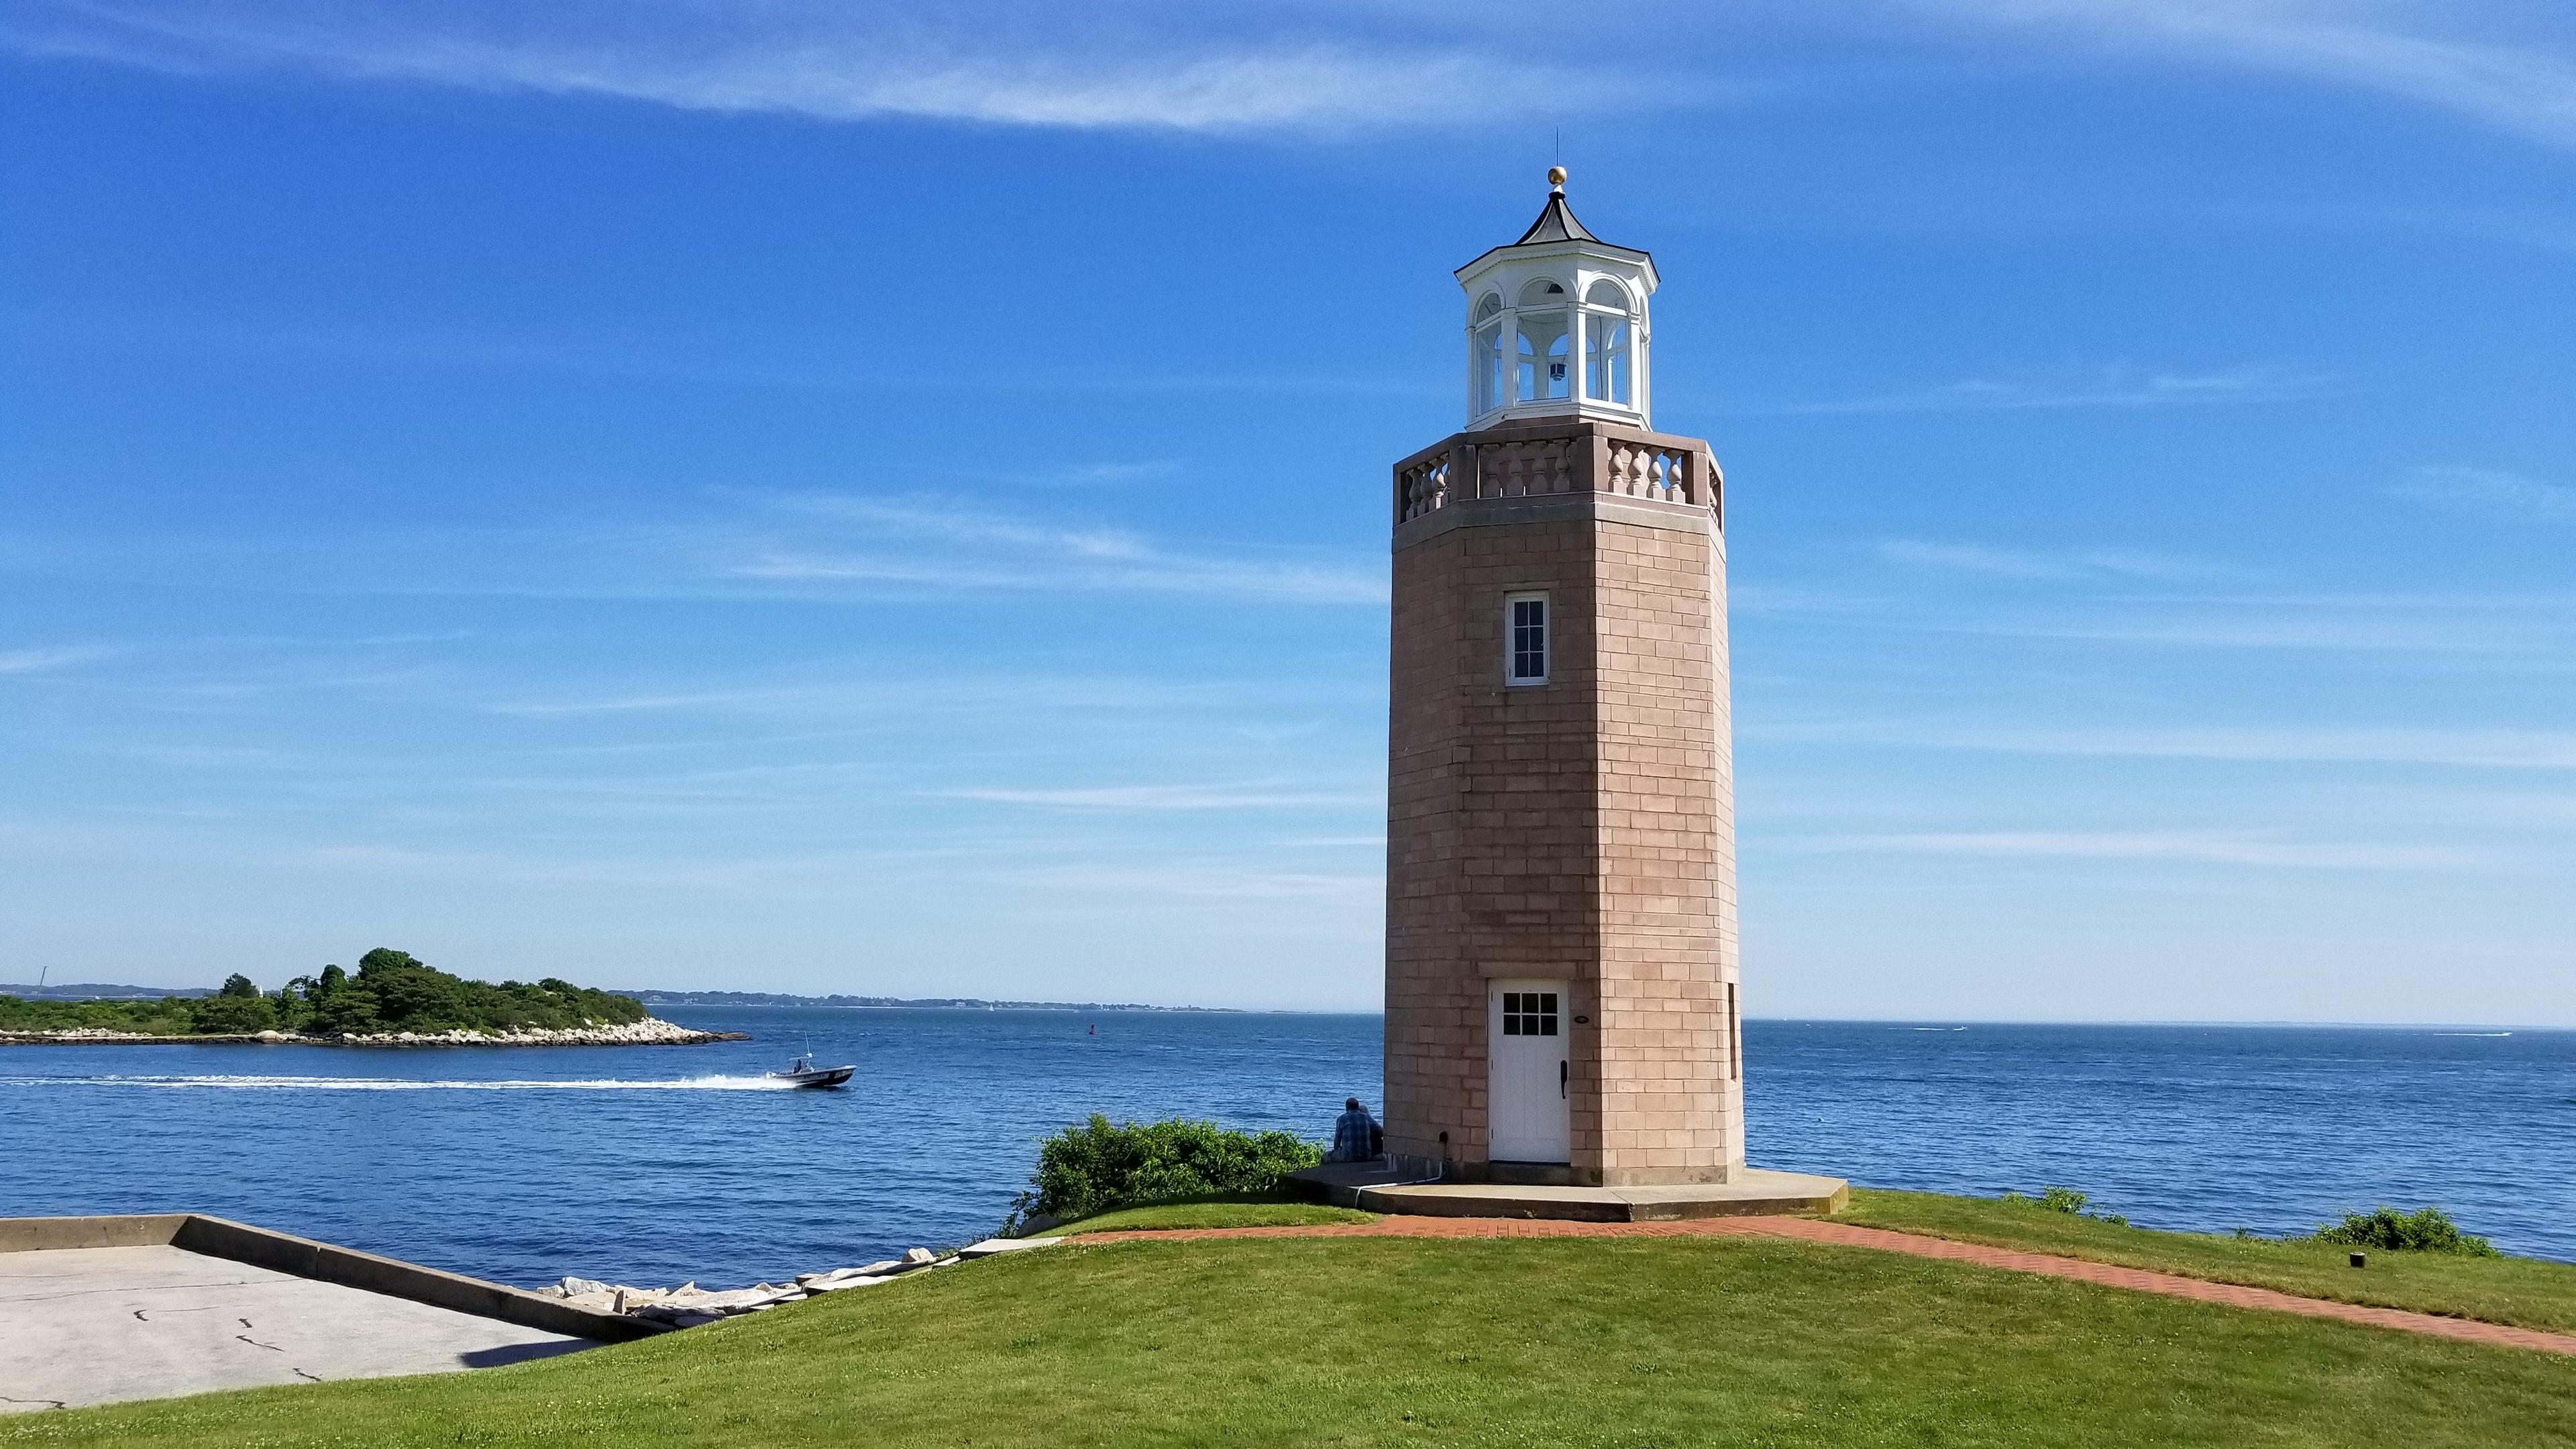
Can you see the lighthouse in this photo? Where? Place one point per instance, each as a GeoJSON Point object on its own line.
{"type": "Point", "coordinates": [1561, 971]}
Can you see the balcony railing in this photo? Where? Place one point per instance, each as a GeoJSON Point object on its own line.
{"type": "Point", "coordinates": [1571, 458]}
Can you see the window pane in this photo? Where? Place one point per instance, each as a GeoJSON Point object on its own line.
{"type": "Point", "coordinates": [1543, 343]}
{"type": "Point", "coordinates": [1605, 358]}
{"type": "Point", "coordinates": [1529, 660]}
{"type": "Point", "coordinates": [1488, 365]}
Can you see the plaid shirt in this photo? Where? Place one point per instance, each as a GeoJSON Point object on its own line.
{"type": "Point", "coordinates": [1351, 1133]}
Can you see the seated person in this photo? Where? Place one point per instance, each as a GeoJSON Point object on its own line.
{"type": "Point", "coordinates": [1356, 1135]}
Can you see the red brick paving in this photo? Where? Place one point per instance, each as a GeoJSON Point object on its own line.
{"type": "Point", "coordinates": [1846, 1235]}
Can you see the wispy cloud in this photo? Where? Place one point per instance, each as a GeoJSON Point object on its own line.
{"type": "Point", "coordinates": [1208, 881]}
{"type": "Point", "coordinates": [2478, 749]}
{"type": "Point", "coordinates": [2429, 53]}
{"type": "Point", "coordinates": [2114, 386]}
{"type": "Point", "coordinates": [745, 544]}
{"type": "Point", "coordinates": [2487, 491]}
{"type": "Point", "coordinates": [2181, 846]}
{"type": "Point", "coordinates": [947, 546]}
{"type": "Point", "coordinates": [32, 661]}
{"type": "Point", "coordinates": [1171, 797]}
{"type": "Point", "coordinates": [1138, 67]}
{"type": "Point", "coordinates": [2045, 565]}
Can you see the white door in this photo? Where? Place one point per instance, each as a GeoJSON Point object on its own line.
{"type": "Point", "coordinates": [1526, 1091]}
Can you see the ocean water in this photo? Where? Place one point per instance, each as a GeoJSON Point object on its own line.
{"type": "Point", "coordinates": [659, 1164]}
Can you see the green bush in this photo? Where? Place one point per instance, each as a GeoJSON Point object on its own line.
{"type": "Point", "coordinates": [1099, 1166]}
{"type": "Point", "coordinates": [2427, 1230]}
{"type": "Point", "coordinates": [2064, 1200]}
{"type": "Point", "coordinates": [231, 1013]}
{"type": "Point", "coordinates": [159, 1016]}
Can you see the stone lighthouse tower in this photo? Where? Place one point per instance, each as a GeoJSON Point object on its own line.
{"type": "Point", "coordinates": [1561, 999]}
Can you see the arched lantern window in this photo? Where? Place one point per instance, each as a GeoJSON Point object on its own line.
{"type": "Point", "coordinates": [1546, 343]}
{"type": "Point", "coordinates": [1609, 336]}
{"type": "Point", "coordinates": [1485, 361]}
{"type": "Point", "coordinates": [1556, 325]}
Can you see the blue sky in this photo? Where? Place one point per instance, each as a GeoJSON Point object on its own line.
{"type": "Point", "coordinates": [890, 499]}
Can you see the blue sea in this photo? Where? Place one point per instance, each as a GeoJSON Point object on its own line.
{"type": "Point", "coordinates": [659, 1164]}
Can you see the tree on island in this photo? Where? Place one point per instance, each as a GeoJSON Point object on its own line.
{"type": "Point", "coordinates": [236, 1010]}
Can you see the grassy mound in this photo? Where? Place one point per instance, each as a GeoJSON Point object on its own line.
{"type": "Point", "coordinates": [2527, 1292]}
{"type": "Point", "coordinates": [1368, 1341]}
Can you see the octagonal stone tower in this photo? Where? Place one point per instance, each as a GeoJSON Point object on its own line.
{"type": "Point", "coordinates": [1561, 982]}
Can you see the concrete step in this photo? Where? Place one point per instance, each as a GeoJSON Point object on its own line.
{"type": "Point", "coordinates": [1754, 1192]}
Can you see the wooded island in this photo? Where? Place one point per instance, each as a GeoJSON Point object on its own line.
{"type": "Point", "coordinates": [391, 991]}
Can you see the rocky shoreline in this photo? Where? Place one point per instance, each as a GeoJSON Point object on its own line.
{"type": "Point", "coordinates": [689, 1305]}
{"type": "Point", "coordinates": [651, 1031]}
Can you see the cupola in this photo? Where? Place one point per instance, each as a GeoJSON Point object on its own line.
{"type": "Point", "coordinates": [1556, 324]}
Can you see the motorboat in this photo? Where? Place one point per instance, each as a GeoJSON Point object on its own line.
{"type": "Point", "coordinates": [803, 1073]}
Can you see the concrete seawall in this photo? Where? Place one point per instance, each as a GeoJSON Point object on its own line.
{"type": "Point", "coordinates": [214, 1237]}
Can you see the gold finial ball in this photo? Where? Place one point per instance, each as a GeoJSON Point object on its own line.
{"type": "Point", "coordinates": [1556, 176]}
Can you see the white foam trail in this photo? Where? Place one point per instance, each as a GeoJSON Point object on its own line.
{"type": "Point", "coordinates": [409, 1084]}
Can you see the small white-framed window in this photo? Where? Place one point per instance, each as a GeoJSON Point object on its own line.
{"type": "Point", "coordinates": [1525, 641]}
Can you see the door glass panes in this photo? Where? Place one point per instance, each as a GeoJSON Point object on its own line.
{"type": "Point", "coordinates": [1529, 640]}
{"type": "Point", "coordinates": [1529, 1013]}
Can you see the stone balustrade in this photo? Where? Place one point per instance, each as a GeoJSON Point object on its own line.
{"type": "Point", "coordinates": [1574, 456]}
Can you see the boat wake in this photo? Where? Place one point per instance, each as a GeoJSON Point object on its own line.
{"type": "Point", "coordinates": [412, 1084]}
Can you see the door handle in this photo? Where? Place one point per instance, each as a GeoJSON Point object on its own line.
{"type": "Point", "coordinates": [1560, 1079]}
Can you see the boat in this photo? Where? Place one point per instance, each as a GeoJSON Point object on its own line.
{"type": "Point", "coordinates": [803, 1073]}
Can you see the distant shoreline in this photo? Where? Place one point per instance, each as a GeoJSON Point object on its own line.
{"type": "Point", "coordinates": [651, 1031]}
{"type": "Point", "coordinates": [904, 1003]}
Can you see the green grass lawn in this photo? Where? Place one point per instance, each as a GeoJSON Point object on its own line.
{"type": "Point", "coordinates": [1213, 1215]}
{"type": "Point", "coordinates": [2524, 1291]}
{"type": "Point", "coordinates": [1601, 1342]}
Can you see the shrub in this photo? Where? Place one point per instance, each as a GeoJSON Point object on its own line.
{"type": "Point", "coordinates": [2427, 1230]}
{"type": "Point", "coordinates": [1099, 1166]}
{"type": "Point", "coordinates": [2063, 1200]}
{"type": "Point", "coordinates": [231, 1013]}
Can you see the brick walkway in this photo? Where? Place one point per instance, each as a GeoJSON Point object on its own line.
{"type": "Point", "coordinates": [1846, 1235]}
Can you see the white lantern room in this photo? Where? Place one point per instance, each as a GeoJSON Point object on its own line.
{"type": "Point", "coordinates": [1556, 324]}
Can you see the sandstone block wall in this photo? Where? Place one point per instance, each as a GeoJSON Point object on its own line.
{"type": "Point", "coordinates": [1582, 829]}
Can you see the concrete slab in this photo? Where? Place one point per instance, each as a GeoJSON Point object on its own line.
{"type": "Point", "coordinates": [1755, 1191]}
{"type": "Point", "coordinates": [105, 1324]}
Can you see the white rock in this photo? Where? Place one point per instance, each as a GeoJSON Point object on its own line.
{"type": "Point", "coordinates": [835, 1285]}
{"type": "Point", "coordinates": [919, 1257]}
{"type": "Point", "coordinates": [990, 1246]}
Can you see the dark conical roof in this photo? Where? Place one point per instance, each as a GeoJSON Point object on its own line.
{"type": "Point", "coordinates": [1555, 223]}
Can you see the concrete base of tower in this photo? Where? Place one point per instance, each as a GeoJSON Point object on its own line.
{"type": "Point", "coordinates": [1753, 1192]}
